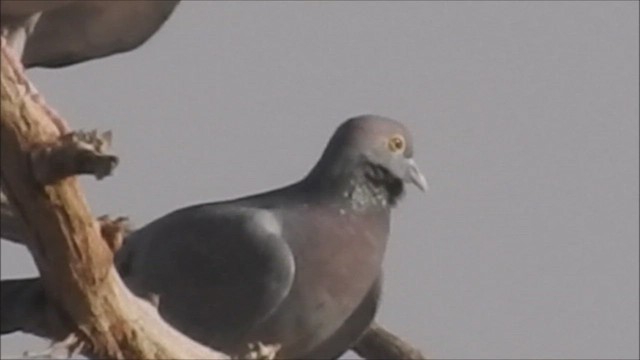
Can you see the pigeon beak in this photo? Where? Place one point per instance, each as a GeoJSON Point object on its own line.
{"type": "Point", "coordinates": [414, 175]}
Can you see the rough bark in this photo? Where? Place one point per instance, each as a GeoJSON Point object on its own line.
{"type": "Point", "coordinates": [73, 153]}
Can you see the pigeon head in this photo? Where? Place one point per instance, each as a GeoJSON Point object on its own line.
{"type": "Point", "coordinates": [368, 160]}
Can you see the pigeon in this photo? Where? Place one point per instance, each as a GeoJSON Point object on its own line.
{"type": "Point", "coordinates": [58, 33]}
{"type": "Point", "coordinates": [293, 266]}
{"type": "Point", "coordinates": [299, 267]}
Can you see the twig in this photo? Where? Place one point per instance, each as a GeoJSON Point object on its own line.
{"type": "Point", "coordinates": [74, 153]}
{"type": "Point", "coordinates": [378, 343]}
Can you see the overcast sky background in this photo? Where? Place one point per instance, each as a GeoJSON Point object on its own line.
{"type": "Point", "coordinates": [525, 118]}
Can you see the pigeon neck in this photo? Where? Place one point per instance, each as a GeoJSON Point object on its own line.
{"type": "Point", "coordinates": [364, 186]}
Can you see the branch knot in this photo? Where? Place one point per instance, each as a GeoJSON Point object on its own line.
{"type": "Point", "coordinates": [74, 153]}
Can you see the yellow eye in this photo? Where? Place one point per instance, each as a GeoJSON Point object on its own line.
{"type": "Point", "coordinates": [396, 143]}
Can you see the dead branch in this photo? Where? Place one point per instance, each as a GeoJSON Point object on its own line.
{"type": "Point", "coordinates": [72, 258]}
{"type": "Point", "coordinates": [379, 343]}
{"type": "Point", "coordinates": [114, 231]}
{"type": "Point", "coordinates": [74, 153]}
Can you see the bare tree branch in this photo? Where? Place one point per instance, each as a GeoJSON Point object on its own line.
{"type": "Point", "coordinates": [379, 343]}
{"type": "Point", "coordinates": [74, 261]}
{"type": "Point", "coordinates": [74, 153]}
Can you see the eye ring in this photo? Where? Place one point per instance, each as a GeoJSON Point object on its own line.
{"type": "Point", "coordinates": [396, 143]}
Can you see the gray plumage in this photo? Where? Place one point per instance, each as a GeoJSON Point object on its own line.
{"type": "Point", "coordinates": [64, 32]}
{"type": "Point", "coordinates": [289, 266]}
{"type": "Point", "coordinates": [299, 266]}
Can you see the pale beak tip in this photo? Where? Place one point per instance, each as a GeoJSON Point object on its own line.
{"type": "Point", "coordinates": [416, 177]}
{"type": "Point", "coordinates": [422, 183]}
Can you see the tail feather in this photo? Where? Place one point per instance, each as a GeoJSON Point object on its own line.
{"type": "Point", "coordinates": [22, 305]}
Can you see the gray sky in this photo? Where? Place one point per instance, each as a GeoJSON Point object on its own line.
{"type": "Point", "coordinates": [525, 117]}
